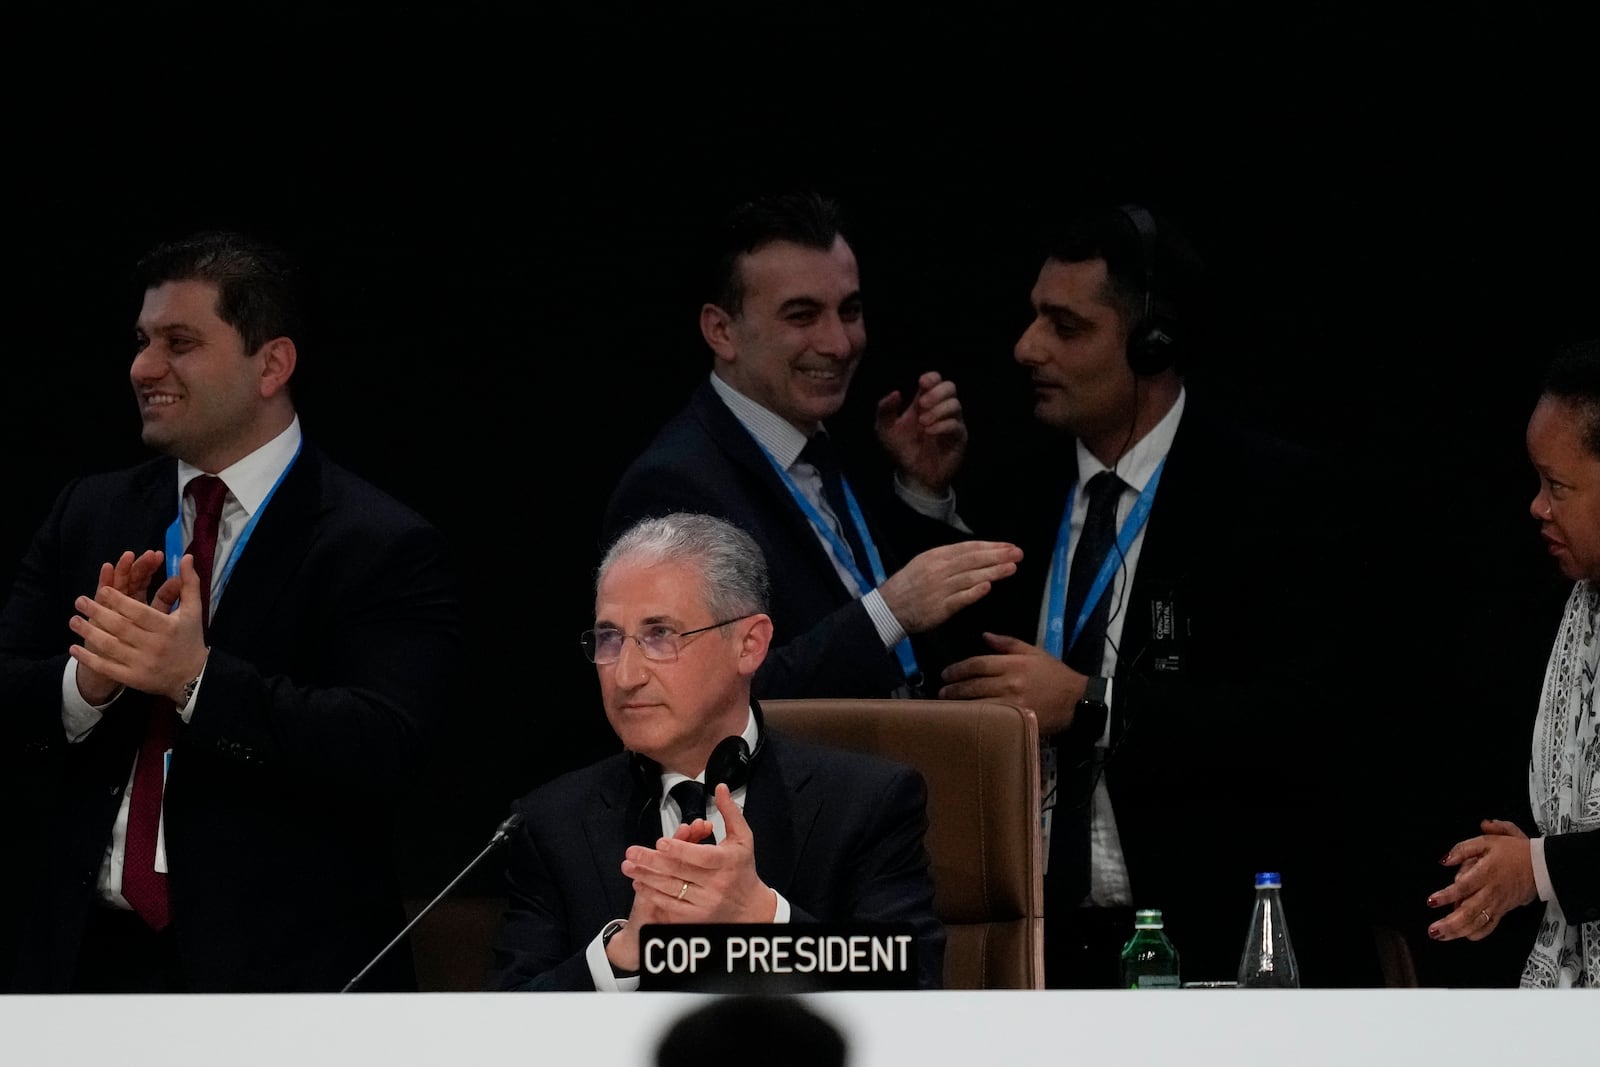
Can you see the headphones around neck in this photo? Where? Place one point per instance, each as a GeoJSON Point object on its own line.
{"type": "Point", "coordinates": [730, 763]}
{"type": "Point", "coordinates": [1152, 337]}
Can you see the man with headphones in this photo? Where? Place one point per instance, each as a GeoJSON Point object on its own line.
{"type": "Point", "coordinates": [706, 816]}
{"type": "Point", "coordinates": [1174, 653]}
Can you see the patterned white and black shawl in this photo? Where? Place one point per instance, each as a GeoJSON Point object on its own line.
{"type": "Point", "coordinates": [1564, 782]}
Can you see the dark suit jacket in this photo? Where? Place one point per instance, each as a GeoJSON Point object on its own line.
{"type": "Point", "coordinates": [839, 834]}
{"type": "Point", "coordinates": [703, 460]}
{"type": "Point", "coordinates": [331, 651]}
{"type": "Point", "coordinates": [1573, 861]}
{"type": "Point", "coordinates": [1210, 772]}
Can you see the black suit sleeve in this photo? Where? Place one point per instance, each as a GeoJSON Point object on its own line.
{"type": "Point", "coordinates": [34, 636]}
{"type": "Point", "coordinates": [537, 948]}
{"type": "Point", "coordinates": [1573, 861]}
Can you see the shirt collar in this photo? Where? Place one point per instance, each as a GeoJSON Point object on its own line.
{"type": "Point", "coordinates": [751, 735]}
{"type": "Point", "coordinates": [252, 478]}
{"type": "Point", "coordinates": [772, 431]}
{"type": "Point", "coordinates": [1139, 464]}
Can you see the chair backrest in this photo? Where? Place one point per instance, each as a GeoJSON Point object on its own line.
{"type": "Point", "coordinates": [453, 945]}
{"type": "Point", "coordinates": [981, 763]}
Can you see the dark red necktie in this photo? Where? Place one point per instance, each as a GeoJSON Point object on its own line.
{"type": "Point", "coordinates": [143, 887]}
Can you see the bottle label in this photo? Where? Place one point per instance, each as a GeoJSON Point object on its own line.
{"type": "Point", "coordinates": [1157, 981]}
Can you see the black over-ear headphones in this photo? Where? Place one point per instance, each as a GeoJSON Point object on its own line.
{"type": "Point", "coordinates": [1152, 338]}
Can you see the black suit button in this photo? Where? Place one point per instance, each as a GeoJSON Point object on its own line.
{"type": "Point", "coordinates": [114, 790]}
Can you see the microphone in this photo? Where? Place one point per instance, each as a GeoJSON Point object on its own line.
{"type": "Point", "coordinates": [502, 834]}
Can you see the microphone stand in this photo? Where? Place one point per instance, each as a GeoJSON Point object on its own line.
{"type": "Point", "coordinates": [501, 835]}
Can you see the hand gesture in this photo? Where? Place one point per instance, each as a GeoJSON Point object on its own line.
{"type": "Point", "coordinates": [148, 647]}
{"type": "Point", "coordinates": [697, 883]}
{"type": "Point", "coordinates": [130, 575]}
{"type": "Point", "coordinates": [941, 581]}
{"type": "Point", "coordinates": [1018, 673]}
{"type": "Point", "coordinates": [1496, 875]}
{"type": "Point", "coordinates": [648, 907]}
{"type": "Point", "coordinates": [927, 440]}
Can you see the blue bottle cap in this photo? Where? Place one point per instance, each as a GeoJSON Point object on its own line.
{"type": "Point", "coordinates": [1268, 880]}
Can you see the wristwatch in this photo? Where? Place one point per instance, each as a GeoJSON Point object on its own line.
{"type": "Point", "coordinates": [1091, 711]}
{"type": "Point", "coordinates": [611, 930]}
{"type": "Point", "coordinates": [194, 683]}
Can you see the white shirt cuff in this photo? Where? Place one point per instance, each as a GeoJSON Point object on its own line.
{"type": "Point", "coordinates": [890, 632]}
{"type": "Point", "coordinates": [78, 716]}
{"type": "Point", "coordinates": [1541, 873]}
{"type": "Point", "coordinates": [600, 968]}
{"type": "Point", "coordinates": [941, 508]}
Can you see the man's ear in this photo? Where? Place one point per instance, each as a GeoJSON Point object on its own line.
{"type": "Point", "coordinates": [754, 639]}
{"type": "Point", "coordinates": [278, 366]}
{"type": "Point", "coordinates": [716, 326]}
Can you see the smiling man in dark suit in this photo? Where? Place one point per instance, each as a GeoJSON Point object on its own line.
{"type": "Point", "coordinates": [262, 642]}
{"type": "Point", "coordinates": [870, 574]}
{"type": "Point", "coordinates": [798, 832]}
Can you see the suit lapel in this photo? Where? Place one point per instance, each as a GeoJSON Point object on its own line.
{"type": "Point", "coordinates": [265, 569]}
{"type": "Point", "coordinates": [153, 507]}
{"type": "Point", "coordinates": [619, 819]}
{"type": "Point", "coordinates": [782, 805]}
{"type": "Point", "coordinates": [1169, 541]}
{"type": "Point", "coordinates": [723, 427]}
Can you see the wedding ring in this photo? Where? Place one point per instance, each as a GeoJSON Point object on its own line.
{"type": "Point", "coordinates": [685, 889]}
{"type": "Point", "coordinates": [1483, 913]}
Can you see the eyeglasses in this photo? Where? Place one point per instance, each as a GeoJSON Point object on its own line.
{"type": "Point", "coordinates": [659, 643]}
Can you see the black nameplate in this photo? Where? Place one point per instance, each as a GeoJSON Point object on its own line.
{"type": "Point", "coordinates": [777, 957]}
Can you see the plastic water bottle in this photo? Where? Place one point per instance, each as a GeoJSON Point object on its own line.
{"type": "Point", "coordinates": [1268, 958]}
{"type": "Point", "coordinates": [1149, 960]}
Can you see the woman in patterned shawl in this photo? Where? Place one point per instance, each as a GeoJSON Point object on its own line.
{"type": "Point", "coordinates": [1503, 868]}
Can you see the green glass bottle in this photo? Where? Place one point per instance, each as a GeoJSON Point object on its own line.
{"type": "Point", "coordinates": [1149, 960]}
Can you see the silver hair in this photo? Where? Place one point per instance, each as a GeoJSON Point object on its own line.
{"type": "Point", "coordinates": [732, 570]}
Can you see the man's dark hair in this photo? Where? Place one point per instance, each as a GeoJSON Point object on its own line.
{"type": "Point", "coordinates": [1573, 377]}
{"type": "Point", "coordinates": [808, 219]}
{"type": "Point", "coordinates": [1175, 274]}
{"type": "Point", "coordinates": [257, 286]}
{"type": "Point", "coordinates": [774, 1030]}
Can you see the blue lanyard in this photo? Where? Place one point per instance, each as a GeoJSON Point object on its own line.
{"type": "Point", "coordinates": [841, 551]}
{"type": "Point", "coordinates": [1057, 601]}
{"type": "Point", "coordinates": [175, 538]}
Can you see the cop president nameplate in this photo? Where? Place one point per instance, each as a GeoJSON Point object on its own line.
{"type": "Point", "coordinates": [781, 957]}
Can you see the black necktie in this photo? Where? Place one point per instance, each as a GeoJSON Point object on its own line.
{"type": "Point", "coordinates": [820, 454]}
{"type": "Point", "coordinates": [1099, 535]}
{"type": "Point", "coordinates": [691, 798]}
{"type": "Point", "coordinates": [1068, 880]}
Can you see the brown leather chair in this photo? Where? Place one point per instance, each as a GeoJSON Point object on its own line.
{"type": "Point", "coordinates": [981, 763]}
{"type": "Point", "coordinates": [452, 945]}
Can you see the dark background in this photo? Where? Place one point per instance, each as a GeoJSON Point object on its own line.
{"type": "Point", "coordinates": [499, 205]}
